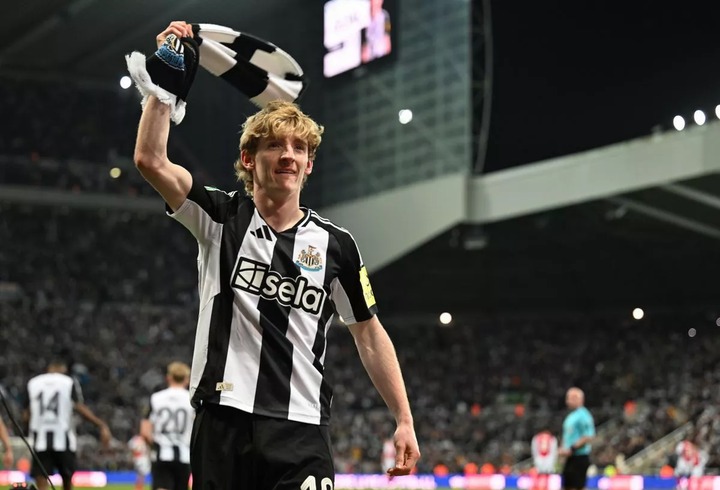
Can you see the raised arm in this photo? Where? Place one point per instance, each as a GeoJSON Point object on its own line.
{"type": "Point", "coordinates": [172, 181]}
{"type": "Point", "coordinates": [377, 354]}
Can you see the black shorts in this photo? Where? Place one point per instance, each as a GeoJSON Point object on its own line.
{"type": "Point", "coordinates": [575, 471]}
{"type": "Point", "coordinates": [63, 462]}
{"type": "Point", "coordinates": [233, 449]}
{"type": "Point", "coordinates": [171, 475]}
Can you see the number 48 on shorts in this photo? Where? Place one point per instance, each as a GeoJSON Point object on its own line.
{"type": "Point", "coordinates": [310, 483]}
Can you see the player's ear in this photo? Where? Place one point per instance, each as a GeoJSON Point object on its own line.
{"type": "Point", "coordinates": [309, 168]}
{"type": "Point", "coordinates": [248, 160]}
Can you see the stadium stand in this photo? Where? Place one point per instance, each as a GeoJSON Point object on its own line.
{"type": "Point", "coordinates": [64, 121]}
{"type": "Point", "coordinates": [83, 282]}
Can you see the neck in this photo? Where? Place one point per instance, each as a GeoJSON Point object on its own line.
{"type": "Point", "coordinates": [280, 213]}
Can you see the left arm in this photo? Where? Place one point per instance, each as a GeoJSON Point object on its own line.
{"type": "Point", "coordinates": [146, 430]}
{"type": "Point", "coordinates": [5, 437]}
{"type": "Point", "coordinates": [88, 415]}
{"type": "Point", "coordinates": [568, 451]}
{"type": "Point", "coordinates": [589, 430]}
{"type": "Point", "coordinates": [378, 356]}
{"type": "Point", "coordinates": [582, 441]}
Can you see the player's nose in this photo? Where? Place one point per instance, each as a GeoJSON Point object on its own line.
{"type": "Point", "coordinates": [288, 152]}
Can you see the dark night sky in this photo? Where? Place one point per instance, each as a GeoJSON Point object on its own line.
{"type": "Point", "coordinates": [575, 75]}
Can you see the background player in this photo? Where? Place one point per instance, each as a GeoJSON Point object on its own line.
{"type": "Point", "coordinates": [544, 448]}
{"type": "Point", "coordinates": [141, 459]}
{"type": "Point", "coordinates": [52, 397]}
{"type": "Point", "coordinates": [167, 429]}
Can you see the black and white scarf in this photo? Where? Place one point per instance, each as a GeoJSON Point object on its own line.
{"type": "Point", "coordinates": [258, 68]}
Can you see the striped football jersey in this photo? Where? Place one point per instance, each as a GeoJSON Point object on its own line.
{"type": "Point", "coordinates": [172, 416]}
{"type": "Point", "coordinates": [51, 399]}
{"type": "Point", "coordinates": [267, 300]}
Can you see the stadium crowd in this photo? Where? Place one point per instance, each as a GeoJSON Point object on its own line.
{"type": "Point", "coordinates": [66, 122]}
{"type": "Point", "coordinates": [66, 137]}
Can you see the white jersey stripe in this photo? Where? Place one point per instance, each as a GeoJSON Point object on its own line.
{"type": "Point", "coordinates": [207, 232]}
{"type": "Point", "coordinates": [243, 361]}
{"type": "Point", "coordinates": [306, 380]}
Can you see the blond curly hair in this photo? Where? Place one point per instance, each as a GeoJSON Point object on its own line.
{"type": "Point", "coordinates": [278, 118]}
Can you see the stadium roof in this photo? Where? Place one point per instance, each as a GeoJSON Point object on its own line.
{"type": "Point", "coordinates": [657, 247]}
{"type": "Point", "coordinates": [86, 39]}
{"type": "Point", "coordinates": [568, 76]}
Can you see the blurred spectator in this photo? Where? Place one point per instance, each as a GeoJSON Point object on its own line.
{"type": "Point", "coordinates": [544, 451]}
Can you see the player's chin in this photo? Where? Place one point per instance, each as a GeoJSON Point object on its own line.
{"type": "Point", "coordinates": [288, 182]}
{"type": "Point", "coordinates": [293, 186]}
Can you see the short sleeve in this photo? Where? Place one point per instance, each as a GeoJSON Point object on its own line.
{"type": "Point", "coordinates": [352, 293]}
{"type": "Point", "coordinates": [76, 392]}
{"type": "Point", "coordinates": [204, 210]}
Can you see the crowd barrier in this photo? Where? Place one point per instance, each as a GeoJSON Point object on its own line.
{"type": "Point", "coordinates": [98, 479]}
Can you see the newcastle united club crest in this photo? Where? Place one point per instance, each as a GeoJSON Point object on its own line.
{"type": "Point", "coordinates": [309, 259]}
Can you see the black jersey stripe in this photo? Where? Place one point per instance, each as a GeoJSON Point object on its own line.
{"type": "Point", "coordinates": [319, 344]}
{"type": "Point", "coordinates": [326, 390]}
{"type": "Point", "coordinates": [272, 395]}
